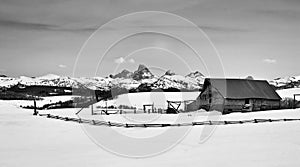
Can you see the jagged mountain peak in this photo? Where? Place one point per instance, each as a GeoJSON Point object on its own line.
{"type": "Point", "coordinates": [125, 79]}
{"type": "Point", "coordinates": [123, 74]}
{"type": "Point", "coordinates": [126, 71]}
{"type": "Point", "coordinates": [142, 67]}
{"type": "Point", "coordinates": [142, 73]}
{"type": "Point", "coordinates": [195, 74]}
{"type": "Point", "coordinates": [169, 72]}
{"type": "Point", "coordinates": [286, 82]}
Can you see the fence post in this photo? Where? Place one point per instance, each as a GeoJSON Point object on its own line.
{"type": "Point", "coordinates": [295, 101]}
{"type": "Point", "coordinates": [35, 110]}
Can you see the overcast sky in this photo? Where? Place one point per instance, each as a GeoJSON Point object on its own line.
{"type": "Point", "coordinates": [253, 37]}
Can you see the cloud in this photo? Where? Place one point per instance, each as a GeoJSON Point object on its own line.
{"type": "Point", "coordinates": [26, 25]}
{"type": "Point", "coordinates": [131, 61]}
{"type": "Point", "coordinates": [270, 61]}
{"type": "Point", "coordinates": [223, 29]}
{"type": "Point", "coordinates": [120, 60]}
{"type": "Point", "coordinates": [62, 66]}
{"type": "Point", "coordinates": [39, 26]}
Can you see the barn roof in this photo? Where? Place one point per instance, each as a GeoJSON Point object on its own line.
{"type": "Point", "coordinates": [243, 88]}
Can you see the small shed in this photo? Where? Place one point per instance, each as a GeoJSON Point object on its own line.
{"type": "Point", "coordinates": [236, 95]}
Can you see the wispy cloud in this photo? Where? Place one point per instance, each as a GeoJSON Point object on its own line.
{"type": "Point", "coordinates": [222, 28]}
{"type": "Point", "coordinates": [270, 61]}
{"type": "Point", "coordinates": [131, 61]}
{"type": "Point", "coordinates": [62, 66]}
{"type": "Point", "coordinates": [26, 25]}
{"type": "Point", "coordinates": [120, 60]}
{"type": "Point", "coordinates": [39, 26]}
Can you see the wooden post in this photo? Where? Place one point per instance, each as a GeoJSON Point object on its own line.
{"type": "Point", "coordinates": [106, 105]}
{"type": "Point", "coordinates": [294, 101]}
{"type": "Point", "coordinates": [92, 109]}
{"type": "Point", "coordinates": [35, 110]}
{"type": "Point", "coordinates": [153, 107]}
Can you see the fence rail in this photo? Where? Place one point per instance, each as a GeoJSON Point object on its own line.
{"type": "Point", "coordinates": [130, 125]}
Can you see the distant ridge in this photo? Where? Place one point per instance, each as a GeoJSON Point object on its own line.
{"type": "Point", "coordinates": [286, 82]}
{"type": "Point", "coordinates": [124, 74]}
{"type": "Point", "coordinates": [140, 79]}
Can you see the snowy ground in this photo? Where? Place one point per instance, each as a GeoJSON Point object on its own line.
{"type": "Point", "coordinates": [27, 140]}
{"type": "Point", "coordinates": [159, 99]}
{"type": "Point", "coordinates": [41, 103]}
{"type": "Point", "coordinates": [289, 93]}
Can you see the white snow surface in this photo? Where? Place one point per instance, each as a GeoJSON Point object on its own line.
{"type": "Point", "coordinates": [28, 140]}
{"type": "Point", "coordinates": [49, 77]}
{"type": "Point", "coordinates": [41, 103]}
{"type": "Point", "coordinates": [289, 93]}
{"type": "Point", "coordinates": [159, 99]}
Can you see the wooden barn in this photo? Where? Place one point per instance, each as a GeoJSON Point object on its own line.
{"type": "Point", "coordinates": [235, 95]}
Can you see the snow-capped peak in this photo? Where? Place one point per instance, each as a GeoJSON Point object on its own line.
{"type": "Point", "coordinates": [169, 72]}
{"type": "Point", "coordinates": [49, 77]}
{"type": "Point", "coordinates": [286, 82]}
{"type": "Point", "coordinates": [195, 74]}
{"type": "Point", "coordinates": [124, 74]}
{"type": "Point", "coordinates": [125, 79]}
{"type": "Point", "coordinates": [142, 73]}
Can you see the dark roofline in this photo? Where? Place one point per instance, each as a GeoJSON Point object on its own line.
{"type": "Point", "coordinates": [232, 88]}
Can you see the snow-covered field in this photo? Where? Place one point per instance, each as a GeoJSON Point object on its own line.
{"type": "Point", "coordinates": [41, 103]}
{"type": "Point", "coordinates": [159, 99]}
{"type": "Point", "coordinates": [27, 140]}
{"type": "Point", "coordinates": [289, 93]}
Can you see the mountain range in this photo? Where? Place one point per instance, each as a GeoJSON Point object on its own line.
{"type": "Point", "coordinates": [141, 78]}
{"type": "Point", "coordinates": [286, 82]}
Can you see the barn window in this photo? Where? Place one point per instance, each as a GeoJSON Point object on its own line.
{"type": "Point", "coordinates": [247, 101]}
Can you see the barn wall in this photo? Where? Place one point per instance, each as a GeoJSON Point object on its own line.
{"type": "Point", "coordinates": [270, 104]}
{"type": "Point", "coordinates": [210, 99]}
{"type": "Point", "coordinates": [217, 100]}
{"type": "Point", "coordinates": [204, 98]}
{"type": "Point", "coordinates": [194, 106]}
{"type": "Point", "coordinates": [202, 101]}
{"type": "Point", "coordinates": [232, 105]}
{"type": "Point", "coordinates": [256, 104]}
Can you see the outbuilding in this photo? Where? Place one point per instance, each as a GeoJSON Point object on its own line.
{"type": "Point", "coordinates": [236, 95]}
